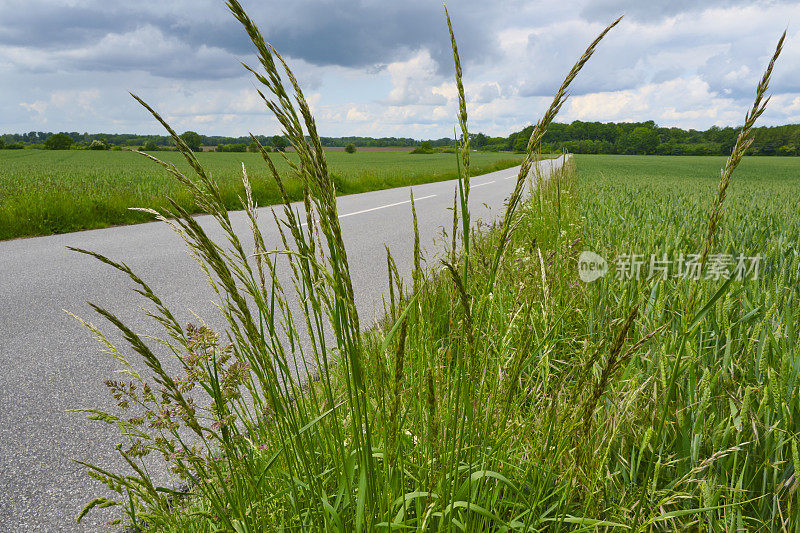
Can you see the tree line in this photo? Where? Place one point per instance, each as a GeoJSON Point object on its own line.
{"type": "Point", "coordinates": [646, 138]}
{"type": "Point", "coordinates": [74, 139]}
{"type": "Point", "coordinates": [577, 138]}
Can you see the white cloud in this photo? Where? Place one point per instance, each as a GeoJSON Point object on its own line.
{"type": "Point", "coordinates": [39, 107]}
{"type": "Point", "coordinates": [70, 102]}
{"type": "Point", "coordinates": [686, 63]}
{"type": "Point", "coordinates": [412, 79]}
{"type": "Point", "coordinates": [354, 115]}
{"type": "Point", "coordinates": [685, 102]}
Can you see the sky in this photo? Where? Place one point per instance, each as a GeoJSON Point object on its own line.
{"type": "Point", "coordinates": [384, 68]}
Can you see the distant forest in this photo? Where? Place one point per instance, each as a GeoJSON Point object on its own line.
{"type": "Point", "coordinates": [577, 137]}
{"type": "Point", "coordinates": [647, 138]}
{"type": "Point", "coordinates": [37, 139]}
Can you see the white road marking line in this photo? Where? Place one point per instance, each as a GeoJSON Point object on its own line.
{"type": "Point", "coordinates": [481, 184]}
{"type": "Point", "coordinates": [387, 205]}
{"type": "Point", "coordinates": [382, 207]}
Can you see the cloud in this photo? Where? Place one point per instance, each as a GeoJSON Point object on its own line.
{"type": "Point", "coordinates": [374, 67]}
{"type": "Point", "coordinates": [364, 33]}
{"type": "Point", "coordinates": [145, 48]}
{"type": "Point", "coordinates": [682, 101]}
{"type": "Point", "coordinates": [412, 81]}
{"type": "Point", "coordinates": [656, 10]}
{"type": "Point", "coordinates": [39, 107]}
{"type": "Point", "coordinates": [369, 32]}
{"type": "Point", "coordinates": [72, 102]}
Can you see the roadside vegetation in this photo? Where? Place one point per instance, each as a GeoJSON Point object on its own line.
{"type": "Point", "coordinates": [501, 393]}
{"type": "Point", "coordinates": [46, 192]}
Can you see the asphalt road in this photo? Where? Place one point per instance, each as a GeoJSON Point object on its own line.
{"type": "Point", "coordinates": [50, 363]}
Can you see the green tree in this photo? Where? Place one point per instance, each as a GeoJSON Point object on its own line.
{"type": "Point", "coordinates": [646, 139]}
{"type": "Point", "coordinates": [2, 144]}
{"type": "Point", "coordinates": [98, 144]}
{"type": "Point", "coordinates": [641, 140]}
{"type": "Point", "coordinates": [235, 147]}
{"type": "Point", "coordinates": [192, 140]}
{"type": "Point", "coordinates": [425, 147]}
{"type": "Point", "coordinates": [253, 147]}
{"type": "Point", "coordinates": [150, 146]}
{"type": "Point", "coordinates": [521, 143]}
{"type": "Point", "coordinates": [350, 148]}
{"type": "Point", "coordinates": [279, 143]}
{"type": "Point", "coordinates": [59, 141]}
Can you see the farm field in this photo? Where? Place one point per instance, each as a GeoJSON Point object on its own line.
{"type": "Point", "coordinates": [651, 204]}
{"type": "Point", "coordinates": [705, 418]}
{"type": "Point", "coordinates": [45, 192]}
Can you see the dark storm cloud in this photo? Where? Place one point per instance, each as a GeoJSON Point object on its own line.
{"type": "Point", "coordinates": [43, 24]}
{"type": "Point", "coordinates": [353, 34]}
{"type": "Point", "coordinates": [358, 34]}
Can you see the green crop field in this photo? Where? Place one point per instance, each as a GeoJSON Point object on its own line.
{"type": "Point", "coordinates": [650, 204]}
{"type": "Point", "coordinates": [43, 192]}
{"type": "Point", "coordinates": [726, 393]}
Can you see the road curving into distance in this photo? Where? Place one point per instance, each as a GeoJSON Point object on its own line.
{"type": "Point", "coordinates": [51, 364]}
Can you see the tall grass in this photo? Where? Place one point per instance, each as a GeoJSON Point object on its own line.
{"type": "Point", "coordinates": [500, 395]}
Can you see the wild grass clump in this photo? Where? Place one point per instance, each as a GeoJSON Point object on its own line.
{"type": "Point", "coordinates": [500, 395]}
